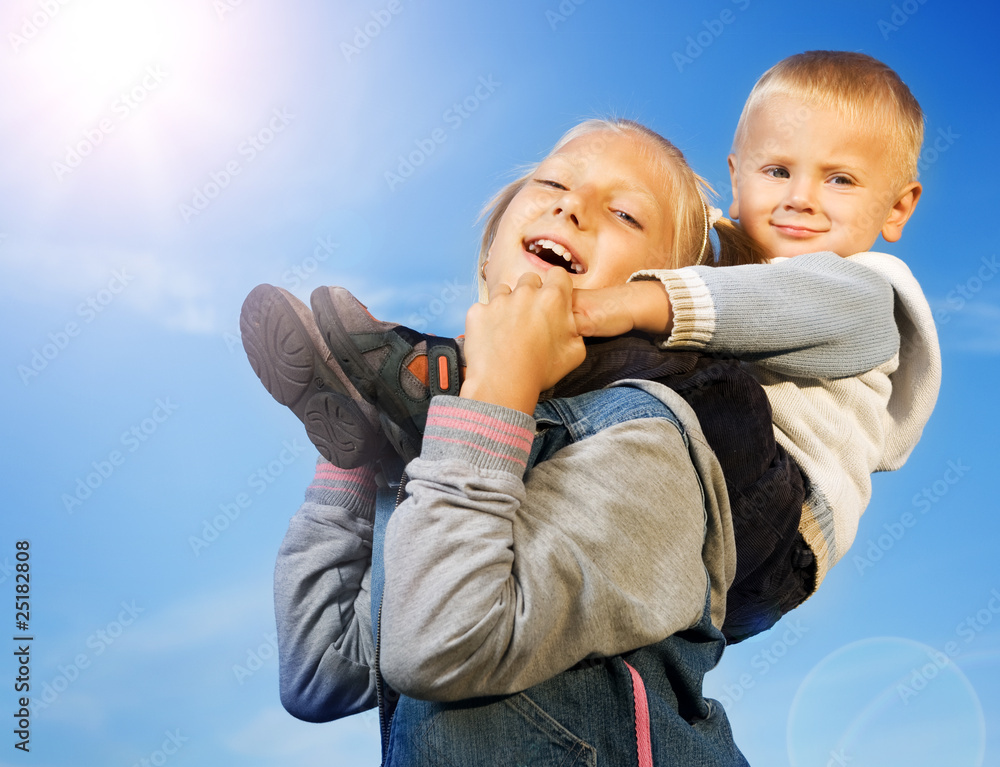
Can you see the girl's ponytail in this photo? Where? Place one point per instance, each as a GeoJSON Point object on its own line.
{"type": "Point", "coordinates": [735, 246]}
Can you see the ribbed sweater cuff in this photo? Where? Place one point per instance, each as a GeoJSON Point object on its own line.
{"type": "Point", "coordinates": [350, 489]}
{"type": "Point", "coordinates": [691, 304]}
{"type": "Point", "coordinates": [488, 436]}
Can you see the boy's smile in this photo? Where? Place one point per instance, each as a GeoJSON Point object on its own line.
{"type": "Point", "coordinates": [592, 208]}
{"type": "Point", "coordinates": [808, 179]}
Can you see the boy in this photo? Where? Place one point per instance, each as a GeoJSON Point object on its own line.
{"type": "Point", "coordinates": [824, 159]}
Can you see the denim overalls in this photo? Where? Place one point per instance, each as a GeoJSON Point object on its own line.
{"type": "Point", "coordinates": [642, 708]}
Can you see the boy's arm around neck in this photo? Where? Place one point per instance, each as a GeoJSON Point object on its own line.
{"type": "Point", "coordinates": [813, 316]}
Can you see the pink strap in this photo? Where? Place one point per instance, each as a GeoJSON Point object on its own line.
{"type": "Point", "coordinates": [642, 738]}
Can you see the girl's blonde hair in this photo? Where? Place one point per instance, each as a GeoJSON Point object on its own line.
{"type": "Point", "coordinates": [687, 198]}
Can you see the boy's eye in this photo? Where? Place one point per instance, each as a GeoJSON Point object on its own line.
{"type": "Point", "coordinates": [843, 181]}
{"type": "Point", "coordinates": [777, 172]}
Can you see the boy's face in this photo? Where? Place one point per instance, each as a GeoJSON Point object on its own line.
{"type": "Point", "coordinates": [806, 180]}
{"type": "Point", "coordinates": [596, 200]}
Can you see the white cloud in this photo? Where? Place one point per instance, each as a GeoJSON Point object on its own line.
{"type": "Point", "coordinates": [83, 281]}
{"type": "Point", "coordinates": [975, 328]}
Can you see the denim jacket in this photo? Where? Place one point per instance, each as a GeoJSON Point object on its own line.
{"type": "Point", "coordinates": [641, 707]}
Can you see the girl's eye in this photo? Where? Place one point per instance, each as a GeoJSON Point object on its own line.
{"type": "Point", "coordinates": [628, 219]}
{"type": "Point", "coordinates": [550, 183]}
{"type": "Point", "coordinates": [777, 172]}
{"type": "Point", "coordinates": [843, 181]}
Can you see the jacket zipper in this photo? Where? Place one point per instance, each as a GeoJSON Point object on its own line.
{"type": "Point", "coordinates": [384, 720]}
{"type": "Point", "coordinates": [383, 725]}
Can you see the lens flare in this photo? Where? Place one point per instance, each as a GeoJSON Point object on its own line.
{"type": "Point", "coordinates": [886, 700]}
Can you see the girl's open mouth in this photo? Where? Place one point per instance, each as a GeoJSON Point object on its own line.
{"type": "Point", "coordinates": [553, 253]}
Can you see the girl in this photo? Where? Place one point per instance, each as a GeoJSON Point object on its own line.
{"type": "Point", "coordinates": [551, 589]}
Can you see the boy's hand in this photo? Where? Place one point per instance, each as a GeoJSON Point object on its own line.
{"type": "Point", "coordinates": [642, 305]}
{"type": "Point", "coordinates": [522, 342]}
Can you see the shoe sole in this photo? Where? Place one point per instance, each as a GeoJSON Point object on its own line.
{"type": "Point", "coordinates": [397, 418]}
{"type": "Point", "coordinates": [296, 374]}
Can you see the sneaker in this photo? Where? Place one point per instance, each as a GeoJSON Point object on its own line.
{"type": "Point", "coordinates": [395, 368]}
{"type": "Point", "coordinates": [289, 357]}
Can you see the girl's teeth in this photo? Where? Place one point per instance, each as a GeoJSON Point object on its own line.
{"type": "Point", "coordinates": [556, 248]}
{"type": "Point", "coordinates": [559, 250]}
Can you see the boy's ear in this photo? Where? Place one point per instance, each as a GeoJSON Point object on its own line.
{"type": "Point", "coordinates": [734, 209]}
{"type": "Point", "coordinates": [901, 211]}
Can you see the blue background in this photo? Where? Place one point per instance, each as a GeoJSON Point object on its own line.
{"type": "Point", "coordinates": [157, 98]}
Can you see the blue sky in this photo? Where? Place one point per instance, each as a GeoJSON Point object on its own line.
{"type": "Point", "coordinates": [162, 158]}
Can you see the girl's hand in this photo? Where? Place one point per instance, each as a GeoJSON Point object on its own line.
{"type": "Point", "coordinates": [522, 342]}
{"type": "Point", "coordinates": [641, 305]}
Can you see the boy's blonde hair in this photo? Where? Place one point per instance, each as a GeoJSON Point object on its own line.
{"type": "Point", "coordinates": [863, 89]}
{"type": "Point", "coordinates": [688, 194]}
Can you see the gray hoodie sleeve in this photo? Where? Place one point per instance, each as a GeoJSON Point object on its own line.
{"type": "Point", "coordinates": [494, 584]}
{"type": "Point", "coordinates": [813, 316]}
{"type": "Point", "coordinates": [322, 602]}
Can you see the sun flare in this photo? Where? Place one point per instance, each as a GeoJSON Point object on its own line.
{"type": "Point", "coordinates": [105, 87]}
{"type": "Point", "coordinates": [87, 50]}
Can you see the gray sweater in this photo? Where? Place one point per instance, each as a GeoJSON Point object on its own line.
{"type": "Point", "coordinates": [496, 581]}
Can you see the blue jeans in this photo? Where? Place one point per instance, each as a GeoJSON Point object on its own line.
{"type": "Point", "coordinates": [587, 714]}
